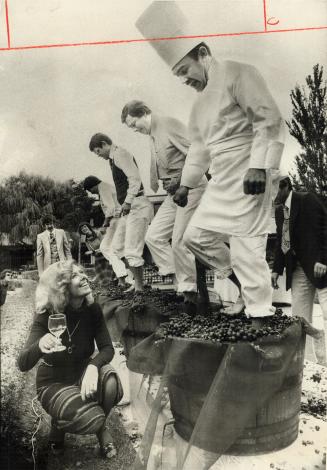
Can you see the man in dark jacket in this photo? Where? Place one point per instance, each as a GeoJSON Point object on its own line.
{"type": "Point", "coordinates": [301, 249]}
{"type": "Point", "coordinates": [134, 204]}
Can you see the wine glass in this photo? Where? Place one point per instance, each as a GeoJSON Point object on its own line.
{"type": "Point", "coordinates": [57, 325]}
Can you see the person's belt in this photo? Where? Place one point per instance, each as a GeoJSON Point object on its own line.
{"type": "Point", "coordinates": [230, 143]}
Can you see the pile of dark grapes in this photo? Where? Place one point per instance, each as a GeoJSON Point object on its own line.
{"type": "Point", "coordinates": [110, 290]}
{"type": "Point", "coordinates": [163, 301]}
{"type": "Point", "coordinates": [316, 377]}
{"type": "Point", "coordinates": [315, 407]}
{"type": "Point", "coordinates": [221, 328]}
{"type": "Point", "coordinates": [117, 292]}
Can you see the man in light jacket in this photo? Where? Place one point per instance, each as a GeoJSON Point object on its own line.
{"type": "Point", "coordinates": [51, 246]}
{"type": "Point", "coordinates": [169, 144]}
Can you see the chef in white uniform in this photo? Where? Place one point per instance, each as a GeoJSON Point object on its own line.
{"type": "Point", "coordinates": [237, 130]}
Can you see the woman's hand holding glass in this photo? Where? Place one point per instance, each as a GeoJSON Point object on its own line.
{"type": "Point", "coordinates": [47, 343]}
{"type": "Point", "coordinates": [57, 325]}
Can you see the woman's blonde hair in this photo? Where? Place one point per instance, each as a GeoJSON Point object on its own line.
{"type": "Point", "coordinates": [52, 292]}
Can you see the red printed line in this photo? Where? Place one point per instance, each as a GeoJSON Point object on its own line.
{"type": "Point", "coordinates": [265, 14]}
{"type": "Point", "coordinates": [127, 41]}
{"type": "Point", "coordinates": [7, 23]}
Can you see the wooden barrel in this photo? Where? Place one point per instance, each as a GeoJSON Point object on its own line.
{"type": "Point", "coordinates": [137, 324]}
{"type": "Point", "coordinates": [270, 428]}
{"type": "Point", "coordinates": [109, 306]}
{"type": "Point", "coordinates": [130, 339]}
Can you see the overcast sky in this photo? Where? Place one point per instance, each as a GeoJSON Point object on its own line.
{"type": "Point", "coordinates": [53, 100]}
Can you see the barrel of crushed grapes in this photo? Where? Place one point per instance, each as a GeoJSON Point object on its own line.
{"type": "Point", "coordinates": [193, 366]}
{"type": "Point", "coordinates": [137, 322]}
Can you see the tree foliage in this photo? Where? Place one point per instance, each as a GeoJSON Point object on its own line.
{"type": "Point", "coordinates": [309, 127]}
{"type": "Point", "coordinates": [25, 199]}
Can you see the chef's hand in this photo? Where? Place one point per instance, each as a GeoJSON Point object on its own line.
{"type": "Point", "coordinates": [274, 280]}
{"type": "Point", "coordinates": [254, 181]}
{"type": "Point", "coordinates": [125, 208]}
{"type": "Point", "coordinates": [181, 196]}
{"type": "Point", "coordinates": [319, 270]}
{"type": "Point", "coordinates": [47, 343]}
{"type": "Point", "coordinates": [171, 185]}
{"type": "Point", "coordinates": [90, 382]}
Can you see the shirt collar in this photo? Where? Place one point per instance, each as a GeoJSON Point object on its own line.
{"type": "Point", "coordinates": [289, 201]}
{"type": "Point", "coordinates": [112, 151]}
{"type": "Point", "coordinates": [154, 124]}
{"type": "Point", "coordinates": [52, 233]}
{"type": "Point", "coordinates": [213, 69]}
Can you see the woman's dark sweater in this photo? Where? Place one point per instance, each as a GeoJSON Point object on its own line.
{"type": "Point", "coordinates": [63, 366]}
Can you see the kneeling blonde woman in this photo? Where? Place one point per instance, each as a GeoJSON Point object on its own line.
{"type": "Point", "coordinates": [75, 387]}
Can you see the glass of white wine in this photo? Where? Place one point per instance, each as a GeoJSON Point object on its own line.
{"type": "Point", "coordinates": [57, 325]}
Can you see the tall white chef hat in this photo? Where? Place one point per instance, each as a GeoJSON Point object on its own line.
{"type": "Point", "coordinates": [164, 19]}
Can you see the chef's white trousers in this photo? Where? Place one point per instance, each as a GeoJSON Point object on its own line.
{"type": "Point", "coordinates": [168, 224]}
{"type": "Point", "coordinates": [246, 257]}
{"type": "Point", "coordinates": [303, 294]}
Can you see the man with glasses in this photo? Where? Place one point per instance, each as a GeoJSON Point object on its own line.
{"type": "Point", "coordinates": [169, 145]}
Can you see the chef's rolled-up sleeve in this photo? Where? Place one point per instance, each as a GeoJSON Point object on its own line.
{"type": "Point", "coordinates": [198, 157]}
{"type": "Point", "coordinates": [252, 94]}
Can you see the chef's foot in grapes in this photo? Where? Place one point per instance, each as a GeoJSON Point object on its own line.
{"type": "Point", "coordinates": [236, 308]}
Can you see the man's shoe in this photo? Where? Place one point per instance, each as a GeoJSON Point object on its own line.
{"type": "Point", "coordinates": [56, 442]}
{"type": "Point", "coordinates": [56, 448]}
